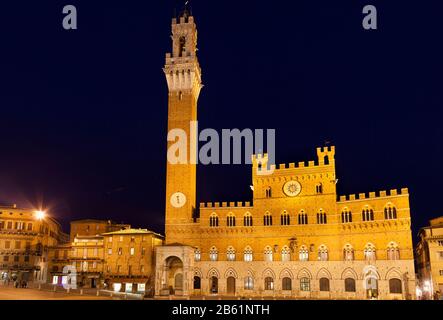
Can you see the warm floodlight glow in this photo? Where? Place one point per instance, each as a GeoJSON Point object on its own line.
{"type": "Point", "coordinates": [427, 286]}
{"type": "Point", "coordinates": [418, 292]}
{"type": "Point", "coordinates": [40, 215]}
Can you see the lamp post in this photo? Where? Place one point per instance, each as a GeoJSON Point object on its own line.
{"type": "Point", "coordinates": [40, 215]}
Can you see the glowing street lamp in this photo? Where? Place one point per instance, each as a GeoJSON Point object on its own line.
{"type": "Point", "coordinates": [40, 215]}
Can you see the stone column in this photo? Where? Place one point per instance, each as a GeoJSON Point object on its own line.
{"type": "Point", "coordinates": [185, 281]}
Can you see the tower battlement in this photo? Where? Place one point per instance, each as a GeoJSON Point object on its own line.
{"type": "Point", "coordinates": [183, 20]}
{"type": "Point", "coordinates": [261, 157]}
{"type": "Point", "coordinates": [182, 69]}
{"type": "Point", "coordinates": [375, 195]}
{"type": "Point", "coordinates": [326, 156]}
{"type": "Point", "coordinates": [246, 204]}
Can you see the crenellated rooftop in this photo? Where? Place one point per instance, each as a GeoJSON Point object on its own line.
{"type": "Point", "coordinates": [325, 157]}
{"type": "Point", "coordinates": [231, 205]}
{"type": "Point", "coordinates": [374, 195]}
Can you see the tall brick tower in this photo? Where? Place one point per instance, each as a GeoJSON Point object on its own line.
{"type": "Point", "coordinates": [183, 75]}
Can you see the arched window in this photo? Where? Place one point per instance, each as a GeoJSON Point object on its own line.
{"type": "Point", "coordinates": [348, 253]}
{"type": "Point", "coordinates": [213, 220]}
{"type": "Point", "coordinates": [323, 253]}
{"type": "Point", "coordinates": [321, 217]}
{"type": "Point", "coordinates": [370, 252]}
{"type": "Point", "coordinates": [182, 45]}
{"type": "Point", "coordinates": [197, 283]}
{"type": "Point", "coordinates": [247, 255]}
{"type": "Point", "coordinates": [367, 214]}
{"type": "Point", "coordinates": [267, 219]}
{"type": "Point", "coordinates": [249, 283]}
{"type": "Point", "coordinates": [395, 286]}
{"type": "Point", "coordinates": [230, 220]}
{"type": "Point", "coordinates": [247, 220]}
{"type": "Point", "coordinates": [285, 254]}
{"type": "Point", "coordinates": [390, 212]}
{"type": "Point", "coordinates": [302, 218]}
{"type": "Point", "coordinates": [268, 254]}
{"type": "Point", "coordinates": [393, 252]}
{"type": "Point", "coordinates": [305, 284]}
{"type": "Point", "coordinates": [319, 188]}
{"type": "Point", "coordinates": [286, 284]}
{"type": "Point", "coordinates": [230, 254]}
{"type": "Point", "coordinates": [213, 254]}
{"type": "Point", "coordinates": [269, 283]}
{"type": "Point", "coordinates": [346, 216]}
{"type": "Point", "coordinates": [213, 284]}
{"type": "Point", "coordinates": [303, 254]}
{"type": "Point", "coordinates": [285, 219]}
{"type": "Point", "coordinates": [197, 255]}
{"type": "Point", "coordinates": [349, 285]}
{"type": "Point", "coordinates": [324, 284]}
{"type": "Point", "coordinates": [268, 192]}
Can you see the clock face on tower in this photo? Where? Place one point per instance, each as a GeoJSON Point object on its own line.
{"type": "Point", "coordinates": [178, 200]}
{"type": "Point", "coordinates": [292, 188]}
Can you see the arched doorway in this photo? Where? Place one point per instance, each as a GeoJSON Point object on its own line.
{"type": "Point", "coordinates": [371, 288]}
{"type": "Point", "coordinates": [174, 275]}
{"type": "Point", "coordinates": [230, 285]}
{"type": "Point", "coordinates": [213, 285]}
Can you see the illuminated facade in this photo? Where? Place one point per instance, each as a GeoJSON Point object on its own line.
{"type": "Point", "coordinates": [129, 260]}
{"type": "Point", "coordinates": [25, 236]}
{"type": "Point", "coordinates": [84, 253]}
{"type": "Point", "coordinates": [104, 254]}
{"type": "Point", "coordinates": [296, 238]}
{"type": "Point", "coordinates": [429, 257]}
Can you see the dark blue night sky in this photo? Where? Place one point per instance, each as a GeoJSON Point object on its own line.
{"type": "Point", "coordinates": [84, 113]}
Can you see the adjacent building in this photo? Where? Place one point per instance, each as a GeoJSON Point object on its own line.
{"type": "Point", "coordinates": [25, 236]}
{"type": "Point", "coordinates": [429, 259]}
{"type": "Point", "coordinates": [104, 254]}
{"type": "Point", "coordinates": [129, 260]}
{"type": "Point", "coordinates": [92, 227]}
{"type": "Point", "coordinates": [295, 238]}
{"type": "Point", "coordinates": [84, 254]}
